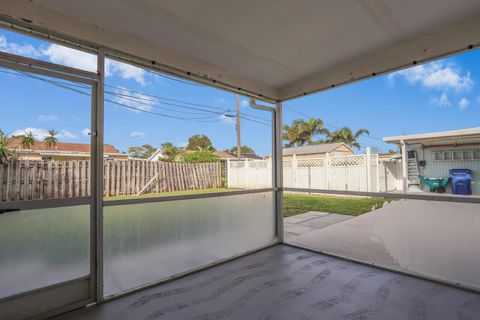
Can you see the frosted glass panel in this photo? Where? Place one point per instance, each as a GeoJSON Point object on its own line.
{"type": "Point", "coordinates": [437, 239]}
{"type": "Point", "coordinates": [151, 241]}
{"type": "Point", "coordinates": [42, 247]}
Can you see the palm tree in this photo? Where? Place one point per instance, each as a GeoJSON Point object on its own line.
{"type": "Point", "coordinates": [302, 132]}
{"type": "Point", "coordinates": [346, 135]}
{"type": "Point", "coordinates": [169, 152]}
{"type": "Point", "coordinates": [5, 153]}
{"type": "Point", "coordinates": [51, 140]}
{"type": "Point", "coordinates": [27, 140]}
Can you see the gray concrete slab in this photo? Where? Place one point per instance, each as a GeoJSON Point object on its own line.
{"type": "Point", "coordinates": [305, 216]}
{"type": "Point", "coordinates": [283, 282]}
{"type": "Point", "coordinates": [304, 223]}
{"type": "Point", "coordinates": [439, 240]}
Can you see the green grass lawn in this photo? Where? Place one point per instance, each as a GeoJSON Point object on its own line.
{"type": "Point", "coordinates": [294, 203]}
{"type": "Point", "coordinates": [300, 203]}
{"type": "Point", "coordinates": [175, 193]}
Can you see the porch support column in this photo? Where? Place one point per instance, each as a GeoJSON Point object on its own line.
{"type": "Point", "coordinates": [278, 171]}
{"type": "Point", "coordinates": [404, 166]}
{"type": "Point", "coordinates": [97, 181]}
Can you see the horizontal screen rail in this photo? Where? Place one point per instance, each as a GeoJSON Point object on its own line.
{"type": "Point", "coordinates": [109, 203]}
{"type": "Point", "coordinates": [9, 206]}
{"type": "Point", "coordinates": [76, 74]}
{"type": "Point", "coordinates": [436, 197]}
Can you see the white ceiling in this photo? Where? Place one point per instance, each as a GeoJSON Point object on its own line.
{"type": "Point", "coordinates": [275, 48]}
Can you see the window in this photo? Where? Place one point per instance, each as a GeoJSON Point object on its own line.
{"type": "Point", "coordinates": [456, 155]}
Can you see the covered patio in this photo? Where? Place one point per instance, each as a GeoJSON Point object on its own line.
{"type": "Point", "coordinates": [224, 254]}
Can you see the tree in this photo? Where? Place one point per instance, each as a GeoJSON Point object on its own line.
{"type": "Point", "coordinates": [200, 142]}
{"type": "Point", "coordinates": [143, 152]}
{"type": "Point", "coordinates": [346, 135]}
{"type": "Point", "coordinates": [199, 156]}
{"type": "Point", "coordinates": [51, 139]}
{"type": "Point", "coordinates": [302, 132]}
{"type": "Point", "coordinates": [27, 140]}
{"type": "Point", "coordinates": [170, 152]}
{"type": "Point", "coordinates": [148, 150]}
{"type": "Point", "coordinates": [243, 150]}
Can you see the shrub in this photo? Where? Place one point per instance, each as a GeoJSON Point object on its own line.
{"type": "Point", "coordinates": [199, 156]}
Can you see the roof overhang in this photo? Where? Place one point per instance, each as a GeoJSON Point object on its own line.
{"type": "Point", "coordinates": [272, 49]}
{"type": "Point", "coordinates": [435, 136]}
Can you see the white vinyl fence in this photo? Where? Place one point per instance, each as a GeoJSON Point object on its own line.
{"type": "Point", "coordinates": [361, 172]}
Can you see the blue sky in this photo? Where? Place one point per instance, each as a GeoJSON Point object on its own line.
{"type": "Point", "coordinates": [438, 96]}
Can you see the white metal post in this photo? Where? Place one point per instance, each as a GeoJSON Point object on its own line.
{"type": "Point", "coordinates": [404, 166]}
{"type": "Point", "coordinates": [378, 173]}
{"type": "Point", "coordinates": [245, 171]}
{"type": "Point", "coordinates": [97, 181]}
{"type": "Point", "coordinates": [368, 160]}
{"type": "Point", "coordinates": [327, 170]}
{"type": "Point", "coordinates": [228, 173]}
{"type": "Point", "coordinates": [294, 170]}
{"type": "Point", "coordinates": [270, 169]}
{"type": "Point", "coordinates": [278, 177]}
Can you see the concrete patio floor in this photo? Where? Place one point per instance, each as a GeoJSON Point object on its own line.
{"type": "Point", "coordinates": [438, 240]}
{"type": "Point", "coordinates": [283, 282]}
{"type": "Point", "coordinates": [304, 223]}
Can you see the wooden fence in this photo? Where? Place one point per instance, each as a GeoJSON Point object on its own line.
{"type": "Point", "coordinates": [32, 180]}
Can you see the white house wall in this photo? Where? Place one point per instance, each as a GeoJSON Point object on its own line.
{"type": "Point", "coordinates": [440, 169]}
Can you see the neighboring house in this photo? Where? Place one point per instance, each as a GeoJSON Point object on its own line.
{"type": "Point", "coordinates": [436, 153]}
{"type": "Point", "coordinates": [157, 155]}
{"type": "Point", "coordinates": [317, 151]}
{"type": "Point", "coordinates": [61, 151]}
{"type": "Point", "coordinates": [224, 156]}
{"type": "Point", "coordinates": [388, 156]}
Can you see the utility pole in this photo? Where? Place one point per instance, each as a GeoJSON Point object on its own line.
{"type": "Point", "coordinates": [237, 107]}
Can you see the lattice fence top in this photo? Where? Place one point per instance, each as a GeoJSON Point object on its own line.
{"type": "Point", "coordinates": [237, 164]}
{"type": "Point", "coordinates": [358, 160]}
{"type": "Point", "coordinates": [310, 163]}
{"type": "Point", "coordinates": [258, 164]}
{"type": "Point", "coordinates": [287, 163]}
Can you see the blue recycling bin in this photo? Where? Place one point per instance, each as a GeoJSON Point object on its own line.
{"type": "Point", "coordinates": [461, 181]}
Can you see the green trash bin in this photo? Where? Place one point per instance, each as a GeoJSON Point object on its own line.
{"type": "Point", "coordinates": [434, 184]}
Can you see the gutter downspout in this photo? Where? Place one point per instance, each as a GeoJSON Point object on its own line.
{"type": "Point", "coordinates": [277, 162]}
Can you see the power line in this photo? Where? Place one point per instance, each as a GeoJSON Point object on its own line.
{"type": "Point", "coordinates": [147, 97]}
{"type": "Point", "coordinates": [172, 78]}
{"type": "Point", "coordinates": [76, 88]}
{"type": "Point", "coordinates": [65, 86]}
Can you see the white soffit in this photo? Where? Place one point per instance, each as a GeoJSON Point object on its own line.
{"type": "Point", "coordinates": [436, 136]}
{"type": "Point", "coordinates": [276, 49]}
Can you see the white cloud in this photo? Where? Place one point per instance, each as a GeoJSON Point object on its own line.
{"type": "Point", "coordinates": [463, 103]}
{"type": "Point", "coordinates": [137, 134]}
{"type": "Point", "coordinates": [227, 119]}
{"type": "Point", "coordinates": [436, 75]}
{"type": "Point", "coordinates": [85, 132]}
{"type": "Point", "coordinates": [86, 61]}
{"type": "Point", "coordinates": [73, 58]}
{"type": "Point", "coordinates": [66, 134]}
{"type": "Point", "coordinates": [442, 101]}
{"type": "Point", "coordinates": [47, 117]}
{"type": "Point", "coordinates": [183, 144]}
{"type": "Point", "coordinates": [244, 103]}
{"type": "Point", "coordinates": [135, 100]}
{"type": "Point", "coordinates": [40, 133]}
{"type": "Point", "coordinates": [125, 71]}
{"type": "Point", "coordinates": [26, 50]}
{"type": "Point", "coordinates": [70, 57]}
